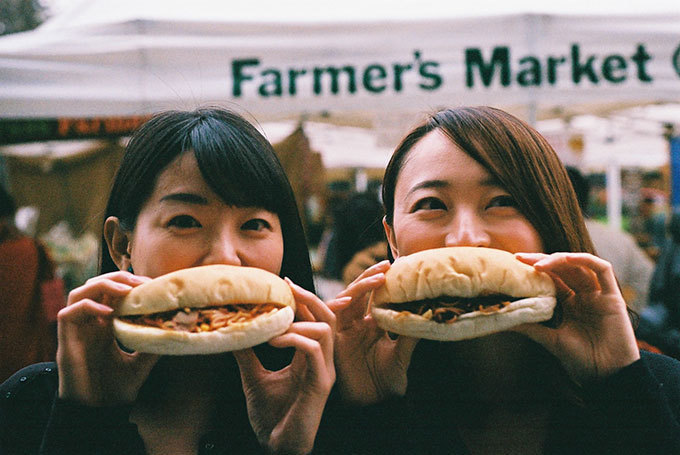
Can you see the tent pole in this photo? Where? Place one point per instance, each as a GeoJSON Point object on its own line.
{"type": "Point", "coordinates": [614, 195]}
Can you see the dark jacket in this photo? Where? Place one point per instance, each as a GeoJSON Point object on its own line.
{"type": "Point", "coordinates": [635, 411]}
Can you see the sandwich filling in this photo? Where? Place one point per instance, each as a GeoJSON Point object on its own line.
{"type": "Point", "coordinates": [447, 309]}
{"type": "Point", "coordinates": [196, 320]}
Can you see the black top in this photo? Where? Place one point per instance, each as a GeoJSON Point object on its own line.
{"type": "Point", "coordinates": [636, 410]}
{"type": "Point", "coordinates": [33, 420]}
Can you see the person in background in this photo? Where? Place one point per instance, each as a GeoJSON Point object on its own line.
{"type": "Point", "coordinates": [579, 384]}
{"type": "Point", "coordinates": [194, 188]}
{"type": "Point", "coordinates": [660, 321]}
{"type": "Point", "coordinates": [358, 238]}
{"type": "Point", "coordinates": [357, 241]}
{"type": "Point", "coordinates": [632, 267]}
{"type": "Point", "coordinates": [26, 334]}
{"type": "Point", "coordinates": [649, 226]}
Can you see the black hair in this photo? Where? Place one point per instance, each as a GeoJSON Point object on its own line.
{"type": "Point", "coordinates": [357, 225]}
{"type": "Point", "coordinates": [581, 188]}
{"type": "Point", "coordinates": [674, 225]}
{"type": "Point", "coordinates": [236, 161]}
{"type": "Point", "coordinates": [7, 205]}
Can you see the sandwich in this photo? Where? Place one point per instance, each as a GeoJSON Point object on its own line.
{"type": "Point", "coordinates": [204, 310]}
{"type": "Point", "coordinates": [458, 293]}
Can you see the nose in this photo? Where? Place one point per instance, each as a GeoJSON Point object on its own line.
{"type": "Point", "coordinates": [467, 229]}
{"type": "Point", "coordinates": [223, 248]}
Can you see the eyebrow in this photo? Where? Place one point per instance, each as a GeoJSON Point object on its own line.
{"type": "Point", "coordinates": [188, 198]}
{"type": "Point", "coordinates": [425, 184]}
{"type": "Point", "coordinates": [437, 183]}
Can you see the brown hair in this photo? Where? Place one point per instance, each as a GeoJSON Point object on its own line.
{"type": "Point", "coordinates": [519, 158]}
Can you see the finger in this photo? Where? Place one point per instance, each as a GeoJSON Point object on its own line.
{"type": "Point", "coordinates": [530, 258]}
{"type": "Point", "coordinates": [361, 286]}
{"type": "Point", "coordinates": [359, 292]}
{"type": "Point", "coordinates": [302, 313]}
{"type": "Point", "coordinates": [602, 269]}
{"type": "Point", "coordinates": [102, 289]}
{"type": "Point", "coordinates": [317, 308]}
{"type": "Point", "coordinates": [121, 277]}
{"type": "Point", "coordinates": [317, 360]}
{"type": "Point", "coordinates": [536, 332]}
{"type": "Point", "coordinates": [143, 363]}
{"type": "Point", "coordinates": [248, 364]}
{"type": "Point", "coordinates": [404, 347]}
{"type": "Point", "coordinates": [83, 312]}
{"type": "Point", "coordinates": [575, 276]}
{"type": "Point", "coordinates": [318, 331]}
{"type": "Point", "coordinates": [336, 305]}
{"type": "Point", "coordinates": [380, 267]}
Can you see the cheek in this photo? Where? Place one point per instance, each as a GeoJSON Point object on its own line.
{"type": "Point", "coordinates": [267, 255]}
{"type": "Point", "coordinates": [521, 237]}
{"type": "Point", "coordinates": [155, 255]}
{"type": "Point", "coordinates": [411, 237]}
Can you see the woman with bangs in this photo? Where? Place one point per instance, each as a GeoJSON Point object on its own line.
{"type": "Point", "coordinates": [194, 188]}
{"type": "Point", "coordinates": [576, 384]}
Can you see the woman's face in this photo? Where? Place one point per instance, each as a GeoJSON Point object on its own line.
{"type": "Point", "coordinates": [445, 198]}
{"type": "Point", "coordinates": [185, 224]}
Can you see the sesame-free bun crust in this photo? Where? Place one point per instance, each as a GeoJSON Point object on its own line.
{"type": "Point", "coordinates": [200, 287]}
{"type": "Point", "coordinates": [462, 272]}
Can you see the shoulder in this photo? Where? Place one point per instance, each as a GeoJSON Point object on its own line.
{"type": "Point", "coordinates": [34, 386]}
{"type": "Point", "coordinates": [665, 369]}
{"type": "Point", "coordinates": [25, 404]}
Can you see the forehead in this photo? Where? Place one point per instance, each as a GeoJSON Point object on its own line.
{"type": "Point", "coordinates": [182, 172]}
{"type": "Point", "coordinates": [436, 157]}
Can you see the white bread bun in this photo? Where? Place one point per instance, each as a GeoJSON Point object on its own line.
{"type": "Point", "coordinates": [464, 272]}
{"type": "Point", "coordinates": [200, 287]}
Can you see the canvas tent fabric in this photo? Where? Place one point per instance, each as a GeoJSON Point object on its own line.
{"type": "Point", "coordinates": [141, 59]}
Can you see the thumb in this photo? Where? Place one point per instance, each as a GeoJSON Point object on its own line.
{"type": "Point", "coordinates": [248, 364]}
{"type": "Point", "coordinates": [536, 332]}
{"type": "Point", "coordinates": [404, 348]}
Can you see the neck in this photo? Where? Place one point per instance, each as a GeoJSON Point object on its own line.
{"type": "Point", "coordinates": [504, 368]}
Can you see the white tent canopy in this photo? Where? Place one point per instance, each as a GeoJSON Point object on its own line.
{"type": "Point", "coordinates": [382, 61]}
{"type": "Point", "coordinates": [129, 58]}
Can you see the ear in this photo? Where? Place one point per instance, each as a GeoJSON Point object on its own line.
{"type": "Point", "coordinates": [118, 241]}
{"type": "Point", "coordinates": [389, 232]}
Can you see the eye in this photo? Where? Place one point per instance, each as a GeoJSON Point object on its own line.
{"type": "Point", "coordinates": [256, 224]}
{"type": "Point", "coordinates": [502, 201]}
{"type": "Point", "coordinates": [184, 222]}
{"type": "Point", "coordinates": [428, 203]}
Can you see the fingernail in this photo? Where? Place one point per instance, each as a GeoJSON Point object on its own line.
{"type": "Point", "coordinates": [343, 299]}
{"type": "Point", "coordinates": [289, 281]}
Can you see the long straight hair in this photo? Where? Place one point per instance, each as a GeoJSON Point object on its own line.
{"type": "Point", "coordinates": [235, 160]}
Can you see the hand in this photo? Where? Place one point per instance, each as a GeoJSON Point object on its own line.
{"type": "Point", "coordinates": [595, 338]}
{"type": "Point", "coordinates": [93, 370]}
{"type": "Point", "coordinates": [285, 406]}
{"type": "Point", "coordinates": [371, 366]}
{"type": "Point", "coordinates": [362, 260]}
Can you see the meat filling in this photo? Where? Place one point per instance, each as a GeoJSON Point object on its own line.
{"type": "Point", "coordinates": [202, 319]}
{"type": "Point", "coordinates": [447, 309]}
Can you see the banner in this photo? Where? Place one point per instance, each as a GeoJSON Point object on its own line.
{"type": "Point", "coordinates": [550, 63]}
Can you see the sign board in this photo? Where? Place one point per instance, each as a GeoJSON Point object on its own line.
{"type": "Point", "coordinates": [273, 71]}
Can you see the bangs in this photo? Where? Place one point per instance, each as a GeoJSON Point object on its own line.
{"type": "Point", "coordinates": [234, 168]}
